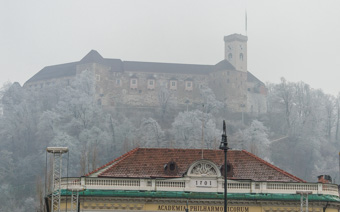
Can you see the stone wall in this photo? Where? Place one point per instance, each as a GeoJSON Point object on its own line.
{"type": "Point", "coordinates": [116, 89]}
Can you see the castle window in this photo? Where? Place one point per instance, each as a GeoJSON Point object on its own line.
{"type": "Point", "coordinates": [173, 85]}
{"type": "Point", "coordinates": [133, 83]}
{"type": "Point", "coordinates": [97, 77]}
{"type": "Point", "coordinates": [188, 85]}
{"type": "Point", "coordinates": [241, 56]}
{"type": "Point", "coordinates": [151, 84]}
{"type": "Point", "coordinates": [230, 56]}
{"type": "Point", "coordinates": [118, 82]}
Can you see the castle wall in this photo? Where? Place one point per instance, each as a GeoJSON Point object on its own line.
{"type": "Point", "coordinates": [134, 89]}
{"type": "Point", "coordinates": [229, 87]}
{"type": "Point", "coordinates": [116, 85]}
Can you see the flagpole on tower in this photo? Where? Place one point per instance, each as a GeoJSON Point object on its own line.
{"type": "Point", "coordinates": [246, 23]}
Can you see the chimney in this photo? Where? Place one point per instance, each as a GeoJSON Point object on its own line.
{"type": "Point", "coordinates": [324, 179]}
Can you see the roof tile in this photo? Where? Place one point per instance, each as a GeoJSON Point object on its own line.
{"type": "Point", "coordinates": [149, 163]}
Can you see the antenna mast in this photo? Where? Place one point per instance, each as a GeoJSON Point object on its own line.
{"type": "Point", "coordinates": [246, 23]}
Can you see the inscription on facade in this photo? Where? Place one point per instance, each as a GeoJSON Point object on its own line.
{"type": "Point", "coordinates": [203, 183]}
{"type": "Point", "coordinates": [208, 183]}
{"type": "Point", "coordinates": [202, 208]}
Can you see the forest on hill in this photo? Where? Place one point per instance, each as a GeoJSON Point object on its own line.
{"type": "Point", "coordinates": [299, 133]}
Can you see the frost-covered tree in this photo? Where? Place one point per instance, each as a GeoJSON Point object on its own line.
{"type": "Point", "coordinates": [255, 139]}
{"type": "Point", "coordinates": [150, 134]}
{"type": "Point", "coordinates": [195, 129]}
{"type": "Point", "coordinates": [280, 101]}
{"type": "Point", "coordinates": [164, 99]}
{"type": "Point", "coordinates": [211, 104]}
{"type": "Point", "coordinates": [337, 119]}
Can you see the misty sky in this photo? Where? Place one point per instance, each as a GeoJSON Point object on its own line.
{"type": "Point", "coordinates": [298, 40]}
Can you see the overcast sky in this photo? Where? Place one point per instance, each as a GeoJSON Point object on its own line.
{"type": "Point", "coordinates": [298, 40]}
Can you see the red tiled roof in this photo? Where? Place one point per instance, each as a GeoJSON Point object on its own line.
{"type": "Point", "coordinates": [275, 167]}
{"type": "Point", "coordinates": [120, 158]}
{"type": "Point", "coordinates": [150, 162]}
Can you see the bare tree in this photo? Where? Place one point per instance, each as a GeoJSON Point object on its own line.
{"type": "Point", "coordinates": [40, 195]}
{"type": "Point", "coordinates": [329, 109]}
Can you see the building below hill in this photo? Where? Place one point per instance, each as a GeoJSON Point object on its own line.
{"type": "Point", "coordinates": [140, 84]}
{"type": "Point", "coordinates": [152, 179]}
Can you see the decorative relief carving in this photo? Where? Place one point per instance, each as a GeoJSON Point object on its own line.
{"type": "Point", "coordinates": [203, 168]}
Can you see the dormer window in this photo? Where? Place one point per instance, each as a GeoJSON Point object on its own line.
{"type": "Point", "coordinates": [151, 84]}
{"type": "Point", "coordinates": [133, 83]}
{"type": "Point", "coordinates": [230, 170]}
{"type": "Point", "coordinates": [173, 84]}
{"type": "Point", "coordinates": [188, 85]}
{"type": "Point", "coordinates": [171, 168]}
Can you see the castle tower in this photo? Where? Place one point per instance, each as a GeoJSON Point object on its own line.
{"type": "Point", "coordinates": [236, 51]}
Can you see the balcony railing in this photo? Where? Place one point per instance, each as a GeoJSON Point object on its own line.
{"type": "Point", "coordinates": [186, 184]}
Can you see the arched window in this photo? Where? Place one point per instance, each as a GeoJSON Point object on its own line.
{"type": "Point", "coordinates": [230, 56]}
{"type": "Point", "coordinates": [241, 56]}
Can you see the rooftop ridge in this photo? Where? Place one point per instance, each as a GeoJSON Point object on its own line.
{"type": "Point", "coordinates": [274, 167]}
{"type": "Point", "coordinates": [120, 158]}
{"type": "Point", "coordinates": [161, 63]}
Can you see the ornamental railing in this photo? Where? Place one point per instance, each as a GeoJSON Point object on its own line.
{"type": "Point", "coordinates": [188, 184]}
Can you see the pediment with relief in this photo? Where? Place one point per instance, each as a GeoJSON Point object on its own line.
{"type": "Point", "coordinates": [204, 168]}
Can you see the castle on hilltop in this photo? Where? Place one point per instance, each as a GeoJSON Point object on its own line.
{"type": "Point", "coordinates": [138, 84]}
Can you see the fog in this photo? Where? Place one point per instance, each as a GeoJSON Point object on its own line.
{"type": "Point", "coordinates": [297, 40]}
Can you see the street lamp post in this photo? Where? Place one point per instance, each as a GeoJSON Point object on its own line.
{"type": "Point", "coordinates": [224, 147]}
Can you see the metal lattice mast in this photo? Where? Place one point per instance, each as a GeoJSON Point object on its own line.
{"type": "Point", "coordinates": [74, 201]}
{"type": "Point", "coordinates": [303, 200]}
{"type": "Point", "coordinates": [75, 197]}
{"type": "Point", "coordinates": [57, 164]}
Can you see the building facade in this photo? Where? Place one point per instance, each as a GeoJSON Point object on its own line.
{"type": "Point", "coordinates": [152, 179]}
{"type": "Point", "coordinates": [131, 83]}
